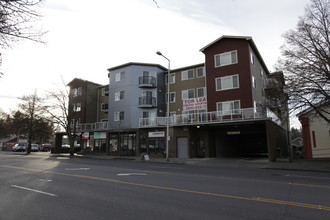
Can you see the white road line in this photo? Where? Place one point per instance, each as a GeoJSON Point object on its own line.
{"type": "Point", "coordinates": [77, 168]}
{"type": "Point", "coordinates": [131, 174]}
{"type": "Point", "coordinates": [33, 190]}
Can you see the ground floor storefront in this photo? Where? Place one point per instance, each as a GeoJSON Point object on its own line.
{"type": "Point", "coordinates": [244, 139]}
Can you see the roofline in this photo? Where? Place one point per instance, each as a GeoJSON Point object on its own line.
{"type": "Point", "coordinates": [86, 81]}
{"type": "Point", "coordinates": [248, 38]}
{"type": "Point", "coordinates": [188, 67]}
{"type": "Point", "coordinates": [136, 64]}
{"type": "Point", "coordinates": [311, 108]}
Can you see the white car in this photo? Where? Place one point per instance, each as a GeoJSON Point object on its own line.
{"type": "Point", "coordinates": [34, 147]}
{"type": "Point", "coordinates": [19, 147]}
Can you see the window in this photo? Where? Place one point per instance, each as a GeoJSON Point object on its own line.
{"type": "Point", "coordinates": [224, 59]}
{"type": "Point", "coordinates": [187, 74]}
{"type": "Point", "coordinates": [254, 82]}
{"type": "Point", "coordinates": [105, 91]}
{"type": "Point", "coordinates": [104, 107]}
{"type": "Point", "coordinates": [172, 97]}
{"type": "Point", "coordinates": [118, 116]}
{"type": "Point", "coordinates": [188, 94]}
{"type": "Point", "coordinates": [227, 82]}
{"type": "Point", "coordinates": [200, 72]}
{"type": "Point", "coordinates": [120, 76]}
{"type": "Point", "coordinates": [119, 95]}
{"type": "Point", "coordinates": [251, 58]}
{"type": "Point", "coordinates": [228, 108]}
{"type": "Point", "coordinates": [77, 92]}
{"type": "Point", "coordinates": [201, 92]}
{"type": "Point", "coordinates": [148, 114]}
{"type": "Point", "coordinates": [190, 115]}
{"type": "Point", "coordinates": [77, 107]}
{"type": "Point", "coordinates": [172, 78]}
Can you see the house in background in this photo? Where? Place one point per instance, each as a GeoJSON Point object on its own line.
{"type": "Point", "coordinates": [316, 134]}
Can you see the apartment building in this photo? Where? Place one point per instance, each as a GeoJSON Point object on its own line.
{"type": "Point", "coordinates": [136, 90]}
{"type": "Point", "coordinates": [231, 105]}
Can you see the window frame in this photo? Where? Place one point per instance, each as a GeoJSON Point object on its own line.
{"type": "Point", "coordinates": [220, 55]}
{"type": "Point", "coordinates": [185, 74]}
{"type": "Point", "coordinates": [187, 91]}
{"type": "Point", "coordinates": [226, 77]}
{"type": "Point", "coordinates": [233, 110]}
{"type": "Point", "coordinates": [204, 92]}
{"type": "Point", "coordinates": [172, 78]}
{"type": "Point", "coordinates": [119, 116]}
{"type": "Point", "coordinates": [203, 72]}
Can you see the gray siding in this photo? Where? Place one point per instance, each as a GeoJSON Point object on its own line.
{"type": "Point", "coordinates": [132, 92]}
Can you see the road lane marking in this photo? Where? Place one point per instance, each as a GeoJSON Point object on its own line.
{"type": "Point", "coordinates": [256, 199]}
{"type": "Point", "coordinates": [131, 174]}
{"type": "Point", "coordinates": [77, 168]}
{"type": "Point", "coordinates": [33, 190]}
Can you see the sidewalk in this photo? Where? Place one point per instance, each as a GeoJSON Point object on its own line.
{"type": "Point", "coordinates": [262, 163]}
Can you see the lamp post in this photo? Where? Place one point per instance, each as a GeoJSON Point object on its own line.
{"type": "Point", "coordinates": [167, 106]}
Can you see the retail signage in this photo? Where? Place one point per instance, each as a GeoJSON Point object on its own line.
{"type": "Point", "coordinates": [85, 136]}
{"type": "Point", "coordinates": [156, 134]}
{"type": "Point", "coordinates": [195, 104]}
{"type": "Point", "coordinates": [100, 135]}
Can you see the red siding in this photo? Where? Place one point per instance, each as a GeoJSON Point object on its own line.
{"type": "Point", "coordinates": [242, 68]}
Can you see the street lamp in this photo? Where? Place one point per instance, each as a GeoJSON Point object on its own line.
{"type": "Point", "coordinates": [167, 106]}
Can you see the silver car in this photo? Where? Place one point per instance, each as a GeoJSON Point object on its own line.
{"type": "Point", "coordinates": [19, 147]}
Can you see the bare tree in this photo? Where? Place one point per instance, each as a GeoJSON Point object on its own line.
{"type": "Point", "coordinates": [33, 109]}
{"type": "Point", "coordinates": [306, 60]}
{"type": "Point", "coordinates": [58, 109]}
{"type": "Point", "coordinates": [16, 21]}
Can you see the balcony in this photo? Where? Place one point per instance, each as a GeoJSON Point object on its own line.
{"type": "Point", "coordinates": [147, 102]}
{"type": "Point", "coordinates": [206, 118]}
{"type": "Point", "coordinates": [147, 82]}
{"type": "Point", "coordinates": [88, 127]}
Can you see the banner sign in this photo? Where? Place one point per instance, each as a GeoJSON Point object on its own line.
{"type": "Point", "coordinates": [100, 135]}
{"type": "Point", "coordinates": [195, 104]}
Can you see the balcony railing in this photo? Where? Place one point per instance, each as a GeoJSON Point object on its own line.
{"type": "Point", "coordinates": [147, 101]}
{"type": "Point", "coordinates": [204, 118]}
{"type": "Point", "coordinates": [147, 81]}
{"type": "Point", "coordinates": [98, 126]}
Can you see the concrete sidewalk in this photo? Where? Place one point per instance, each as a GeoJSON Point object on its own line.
{"type": "Point", "coordinates": [262, 163]}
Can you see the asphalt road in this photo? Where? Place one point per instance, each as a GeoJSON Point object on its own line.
{"type": "Point", "coordinates": [41, 187]}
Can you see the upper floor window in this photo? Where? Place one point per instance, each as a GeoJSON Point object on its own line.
{"type": "Point", "coordinates": [119, 95]}
{"type": "Point", "coordinates": [77, 92]}
{"type": "Point", "coordinates": [104, 107]}
{"type": "Point", "coordinates": [172, 78]}
{"type": "Point", "coordinates": [76, 107]}
{"type": "Point", "coordinates": [224, 59]}
{"type": "Point", "coordinates": [187, 74]}
{"type": "Point", "coordinates": [172, 97]}
{"type": "Point", "coordinates": [228, 108]}
{"type": "Point", "coordinates": [188, 94]}
{"type": "Point", "coordinates": [201, 92]}
{"type": "Point", "coordinates": [119, 76]}
{"type": "Point", "coordinates": [251, 58]}
{"type": "Point", "coordinates": [149, 114]}
{"type": "Point", "coordinates": [254, 82]}
{"type": "Point", "coordinates": [118, 116]}
{"type": "Point", "coordinates": [105, 91]}
{"type": "Point", "coordinates": [200, 72]}
{"type": "Point", "coordinates": [227, 82]}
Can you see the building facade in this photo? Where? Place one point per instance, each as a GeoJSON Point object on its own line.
{"type": "Point", "coordinates": [231, 105]}
{"type": "Point", "coordinates": [316, 134]}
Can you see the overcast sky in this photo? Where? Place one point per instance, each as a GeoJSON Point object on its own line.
{"type": "Point", "coordinates": [86, 37]}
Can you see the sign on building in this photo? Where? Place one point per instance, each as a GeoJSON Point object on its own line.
{"type": "Point", "coordinates": [195, 104]}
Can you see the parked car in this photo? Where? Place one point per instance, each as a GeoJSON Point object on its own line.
{"type": "Point", "coordinates": [19, 147]}
{"type": "Point", "coordinates": [34, 147]}
{"type": "Point", "coordinates": [45, 147]}
{"type": "Point", "coordinates": [65, 146]}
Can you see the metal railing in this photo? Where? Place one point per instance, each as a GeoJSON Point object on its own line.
{"type": "Point", "coordinates": [204, 118]}
{"type": "Point", "coordinates": [98, 126]}
{"type": "Point", "coordinates": [148, 81]}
